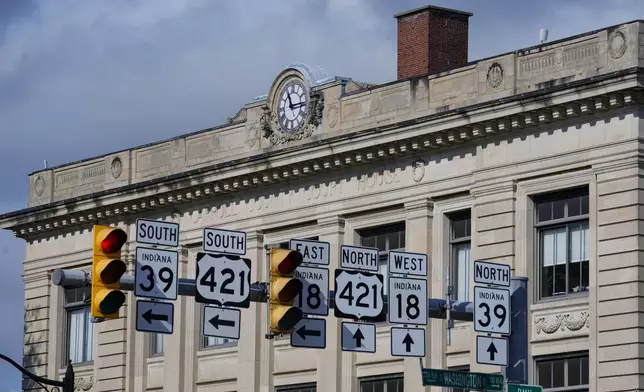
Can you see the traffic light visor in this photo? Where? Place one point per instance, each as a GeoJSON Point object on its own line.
{"type": "Point", "coordinates": [111, 270]}
{"type": "Point", "coordinates": [111, 301]}
{"type": "Point", "coordinates": [290, 318]}
{"type": "Point", "coordinates": [113, 240]}
{"type": "Point", "coordinates": [287, 260]}
{"type": "Point", "coordinates": [285, 290]}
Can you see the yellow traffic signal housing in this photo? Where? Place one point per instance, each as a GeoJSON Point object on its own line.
{"type": "Point", "coordinates": [283, 290]}
{"type": "Point", "coordinates": [107, 269]}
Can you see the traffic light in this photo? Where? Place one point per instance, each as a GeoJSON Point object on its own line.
{"type": "Point", "coordinates": [284, 288]}
{"type": "Point", "coordinates": [107, 269]}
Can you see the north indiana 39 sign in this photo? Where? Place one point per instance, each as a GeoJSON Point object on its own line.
{"type": "Point", "coordinates": [492, 310]}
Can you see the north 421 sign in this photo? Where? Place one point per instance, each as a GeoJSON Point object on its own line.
{"type": "Point", "coordinates": [223, 280]}
{"type": "Point", "coordinates": [359, 296]}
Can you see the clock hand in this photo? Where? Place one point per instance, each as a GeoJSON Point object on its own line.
{"type": "Point", "coordinates": [290, 103]}
{"type": "Point", "coordinates": [298, 105]}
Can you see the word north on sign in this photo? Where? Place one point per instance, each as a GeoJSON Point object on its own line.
{"type": "Point", "coordinates": [154, 316]}
{"type": "Point", "coordinates": [224, 241]}
{"type": "Point", "coordinates": [492, 351]}
{"type": "Point", "coordinates": [314, 297]}
{"type": "Point", "coordinates": [492, 310]}
{"type": "Point", "coordinates": [491, 273]}
{"type": "Point", "coordinates": [155, 275]}
{"type": "Point", "coordinates": [223, 280]}
{"type": "Point", "coordinates": [313, 252]}
{"type": "Point", "coordinates": [154, 232]}
{"type": "Point", "coordinates": [407, 301]}
{"type": "Point", "coordinates": [359, 296]}
{"type": "Point", "coordinates": [359, 258]}
{"type": "Point", "coordinates": [407, 263]}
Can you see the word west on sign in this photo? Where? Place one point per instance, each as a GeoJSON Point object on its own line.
{"type": "Point", "coordinates": [154, 232]}
{"type": "Point", "coordinates": [223, 280]}
{"type": "Point", "coordinates": [313, 252]}
{"type": "Point", "coordinates": [359, 296]}
{"type": "Point", "coordinates": [155, 275]}
{"type": "Point", "coordinates": [492, 310]}
{"type": "Point", "coordinates": [154, 316]}
{"type": "Point", "coordinates": [407, 263]}
{"type": "Point", "coordinates": [359, 258]}
{"type": "Point", "coordinates": [314, 297]}
{"type": "Point", "coordinates": [407, 301]}
{"type": "Point", "coordinates": [224, 241]}
{"type": "Point", "coordinates": [407, 342]}
{"type": "Point", "coordinates": [491, 273]}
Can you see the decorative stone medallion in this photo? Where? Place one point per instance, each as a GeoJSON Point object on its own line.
{"type": "Point", "coordinates": [495, 75]}
{"type": "Point", "coordinates": [252, 135]}
{"type": "Point", "coordinates": [83, 384]}
{"type": "Point", "coordinates": [418, 170]}
{"type": "Point", "coordinates": [562, 322]}
{"type": "Point", "coordinates": [617, 44]}
{"type": "Point", "coordinates": [333, 115]}
{"type": "Point", "coordinates": [39, 186]}
{"type": "Point", "coordinates": [117, 167]}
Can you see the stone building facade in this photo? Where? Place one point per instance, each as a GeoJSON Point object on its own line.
{"type": "Point", "coordinates": [530, 158]}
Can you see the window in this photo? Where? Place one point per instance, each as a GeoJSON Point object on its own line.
{"type": "Point", "coordinates": [389, 383]}
{"type": "Point", "coordinates": [80, 329]}
{"type": "Point", "coordinates": [156, 344]}
{"type": "Point", "coordinates": [385, 238]}
{"type": "Point", "coordinates": [569, 373]}
{"type": "Point", "coordinates": [460, 369]}
{"type": "Point", "coordinates": [562, 227]}
{"type": "Point", "coordinates": [460, 242]}
{"type": "Point", "coordinates": [297, 388]}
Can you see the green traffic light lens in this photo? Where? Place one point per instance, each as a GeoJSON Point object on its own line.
{"type": "Point", "coordinates": [291, 317]}
{"type": "Point", "coordinates": [112, 302]}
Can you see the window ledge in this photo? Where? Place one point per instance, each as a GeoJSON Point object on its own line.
{"type": "Point", "coordinates": [83, 367]}
{"type": "Point", "coordinates": [222, 350]}
{"type": "Point", "coordinates": [155, 359]}
{"type": "Point", "coordinates": [556, 303]}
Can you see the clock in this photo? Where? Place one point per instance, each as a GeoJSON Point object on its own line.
{"type": "Point", "coordinates": [292, 105]}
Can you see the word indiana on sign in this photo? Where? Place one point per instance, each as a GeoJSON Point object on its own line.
{"type": "Point", "coordinates": [358, 337]}
{"type": "Point", "coordinates": [491, 273]}
{"type": "Point", "coordinates": [492, 310]}
{"type": "Point", "coordinates": [359, 296]}
{"type": "Point", "coordinates": [224, 241]}
{"type": "Point", "coordinates": [153, 316]}
{"type": "Point", "coordinates": [359, 258]}
{"type": "Point", "coordinates": [407, 263]}
{"type": "Point", "coordinates": [155, 275]}
{"type": "Point", "coordinates": [154, 232]}
{"type": "Point", "coordinates": [491, 350]}
{"type": "Point", "coordinates": [313, 252]}
{"type": "Point", "coordinates": [223, 280]}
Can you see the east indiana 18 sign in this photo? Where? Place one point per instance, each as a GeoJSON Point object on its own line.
{"type": "Point", "coordinates": [359, 296]}
{"type": "Point", "coordinates": [223, 280]}
{"type": "Point", "coordinates": [492, 310]}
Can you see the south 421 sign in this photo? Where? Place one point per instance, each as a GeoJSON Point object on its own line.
{"type": "Point", "coordinates": [359, 296]}
{"type": "Point", "coordinates": [223, 280]}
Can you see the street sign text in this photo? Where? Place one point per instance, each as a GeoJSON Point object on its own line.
{"type": "Point", "coordinates": [491, 273]}
{"type": "Point", "coordinates": [154, 232]}
{"type": "Point", "coordinates": [224, 241]}
{"type": "Point", "coordinates": [359, 258]}
{"type": "Point", "coordinates": [313, 252]}
{"type": "Point", "coordinates": [155, 275]}
{"type": "Point", "coordinates": [407, 263]}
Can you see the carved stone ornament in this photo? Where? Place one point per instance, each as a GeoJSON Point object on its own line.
{"type": "Point", "coordinates": [333, 114]}
{"type": "Point", "coordinates": [313, 118]}
{"type": "Point", "coordinates": [39, 186]}
{"type": "Point", "coordinates": [252, 135]}
{"type": "Point", "coordinates": [418, 170]}
{"type": "Point", "coordinates": [495, 75]}
{"type": "Point", "coordinates": [117, 167]}
{"type": "Point", "coordinates": [83, 384]}
{"type": "Point", "coordinates": [617, 44]}
{"type": "Point", "coordinates": [562, 322]}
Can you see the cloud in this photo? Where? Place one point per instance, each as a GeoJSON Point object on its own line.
{"type": "Point", "coordinates": [82, 78]}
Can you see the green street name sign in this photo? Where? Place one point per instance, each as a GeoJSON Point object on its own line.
{"type": "Point", "coordinates": [463, 380]}
{"type": "Point", "coordinates": [524, 388]}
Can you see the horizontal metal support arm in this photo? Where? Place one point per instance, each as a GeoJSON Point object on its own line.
{"type": "Point", "coordinates": [437, 308]}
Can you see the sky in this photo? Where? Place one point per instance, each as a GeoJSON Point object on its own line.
{"type": "Point", "coordinates": [83, 78]}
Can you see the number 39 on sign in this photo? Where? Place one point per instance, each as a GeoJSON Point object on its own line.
{"type": "Point", "coordinates": [492, 310]}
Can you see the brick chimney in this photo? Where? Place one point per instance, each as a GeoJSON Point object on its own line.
{"type": "Point", "coordinates": [431, 40]}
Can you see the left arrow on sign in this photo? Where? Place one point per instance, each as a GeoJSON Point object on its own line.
{"type": "Point", "coordinates": [303, 332]}
{"type": "Point", "coordinates": [492, 350]}
{"type": "Point", "coordinates": [149, 316]}
{"type": "Point", "coordinates": [216, 322]}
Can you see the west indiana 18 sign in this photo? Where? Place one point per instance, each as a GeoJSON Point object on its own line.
{"type": "Point", "coordinates": [359, 296]}
{"type": "Point", "coordinates": [407, 301]}
{"type": "Point", "coordinates": [223, 280]}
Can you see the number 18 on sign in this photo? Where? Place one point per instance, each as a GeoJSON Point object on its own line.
{"type": "Point", "coordinates": [492, 310]}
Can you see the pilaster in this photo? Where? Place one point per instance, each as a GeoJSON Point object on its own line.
{"type": "Point", "coordinates": [418, 238]}
{"type": "Point", "coordinates": [254, 355]}
{"type": "Point", "coordinates": [335, 368]}
{"type": "Point", "coordinates": [37, 342]}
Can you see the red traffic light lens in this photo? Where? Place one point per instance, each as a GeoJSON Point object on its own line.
{"type": "Point", "coordinates": [113, 241]}
{"type": "Point", "coordinates": [290, 263]}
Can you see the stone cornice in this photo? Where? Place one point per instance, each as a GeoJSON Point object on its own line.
{"type": "Point", "coordinates": [395, 142]}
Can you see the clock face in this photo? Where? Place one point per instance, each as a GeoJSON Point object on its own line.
{"type": "Point", "coordinates": [292, 106]}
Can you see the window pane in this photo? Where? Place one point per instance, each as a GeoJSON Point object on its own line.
{"type": "Point", "coordinates": [468, 227]}
{"type": "Point", "coordinates": [558, 376]}
{"type": "Point", "coordinates": [89, 335]}
{"type": "Point", "coordinates": [584, 370]}
{"type": "Point", "coordinates": [544, 212]}
{"type": "Point", "coordinates": [458, 229]}
{"type": "Point", "coordinates": [382, 269]}
{"type": "Point", "coordinates": [574, 206]}
{"type": "Point", "coordinates": [366, 387]}
{"type": "Point", "coordinates": [547, 281]}
{"type": "Point", "coordinates": [369, 241]}
{"type": "Point", "coordinates": [574, 371]}
{"type": "Point", "coordinates": [394, 240]}
{"type": "Point", "coordinates": [544, 373]}
{"type": "Point", "coordinates": [379, 386]}
{"type": "Point", "coordinates": [554, 246]}
{"type": "Point", "coordinates": [461, 271]}
{"type": "Point", "coordinates": [578, 242]}
{"type": "Point", "coordinates": [584, 204]}
{"type": "Point", "coordinates": [558, 211]}
{"type": "Point", "coordinates": [392, 386]}
{"type": "Point", "coordinates": [76, 335]}
{"type": "Point", "coordinates": [402, 239]}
